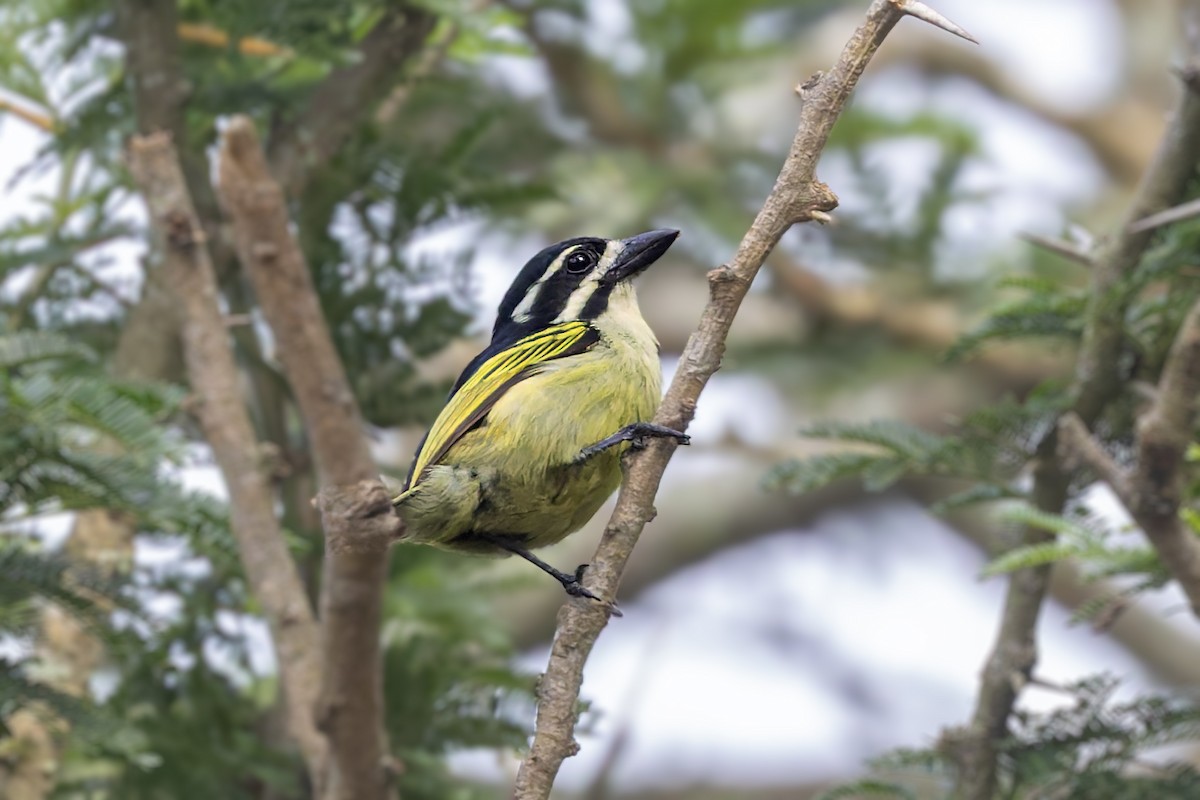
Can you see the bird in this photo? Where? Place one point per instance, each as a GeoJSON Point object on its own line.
{"type": "Point", "coordinates": [528, 445]}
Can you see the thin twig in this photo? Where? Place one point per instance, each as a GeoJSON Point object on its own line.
{"type": "Point", "coordinates": [39, 119]}
{"type": "Point", "coordinates": [356, 510]}
{"type": "Point", "coordinates": [1179, 213]}
{"type": "Point", "coordinates": [1077, 447]}
{"type": "Point", "coordinates": [214, 378]}
{"type": "Point", "coordinates": [1068, 250]}
{"type": "Point", "coordinates": [794, 198]}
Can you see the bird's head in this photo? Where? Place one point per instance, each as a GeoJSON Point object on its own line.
{"type": "Point", "coordinates": [576, 278]}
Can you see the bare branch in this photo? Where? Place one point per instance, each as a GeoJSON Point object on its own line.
{"type": "Point", "coordinates": [1068, 250]}
{"type": "Point", "coordinates": [149, 341]}
{"type": "Point", "coordinates": [1077, 447]}
{"type": "Point", "coordinates": [1188, 210]}
{"type": "Point", "coordinates": [226, 424]}
{"type": "Point", "coordinates": [1153, 491]}
{"type": "Point", "coordinates": [153, 67]}
{"type": "Point", "coordinates": [356, 512]}
{"type": "Point", "coordinates": [1156, 486]}
{"type": "Point", "coordinates": [39, 119]}
{"type": "Point", "coordinates": [794, 198]}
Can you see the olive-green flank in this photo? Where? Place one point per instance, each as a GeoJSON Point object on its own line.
{"type": "Point", "coordinates": [529, 443]}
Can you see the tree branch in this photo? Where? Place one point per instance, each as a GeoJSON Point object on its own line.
{"type": "Point", "coordinates": [796, 196]}
{"type": "Point", "coordinates": [39, 119]}
{"type": "Point", "coordinates": [226, 424]}
{"type": "Point", "coordinates": [1096, 384]}
{"type": "Point", "coordinates": [1188, 210]}
{"type": "Point", "coordinates": [1068, 250]}
{"type": "Point", "coordinates": [344, 99]}
{"type": "Point", "coordinates": [1077, 447]}
{"type": "Point", "coordinates": [356, 511]}
{"type": "Point", "coordinates": [1153, 490]}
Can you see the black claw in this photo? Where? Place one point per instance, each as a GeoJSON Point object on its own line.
{"type": "Point", "coordinates": [577, 589]}
{"type": "Point", "coordinates": [638, 435]}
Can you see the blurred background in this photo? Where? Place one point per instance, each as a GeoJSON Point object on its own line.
{"type": "Point", "coordinates": [773, 641]}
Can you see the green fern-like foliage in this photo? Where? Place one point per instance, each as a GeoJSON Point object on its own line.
{"type": "Point", "coordinates": [988, 447]}
{"type": "Point", "coordinates": [1047, 310]}
{"type": "Point", "coordinates": [869, 789]}
{"type": "Point", "coordinates": [1092, 746]}
{"type": "Point", "coordinates": [28, 579]}
{"type": "Point", "coordinates": [71, 438]}
{"type": "Point", "coordinates": [1087, 539]}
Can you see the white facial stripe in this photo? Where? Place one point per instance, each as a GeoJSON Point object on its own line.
{"type": "Point", "coordinates": [521, 312]}
{"type": "Point", "coordinates": [587, 286]}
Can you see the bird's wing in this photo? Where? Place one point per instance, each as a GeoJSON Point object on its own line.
{"type": "Point", "coordinates": [486, 380]}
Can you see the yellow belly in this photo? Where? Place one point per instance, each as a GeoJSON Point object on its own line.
{"type": "Point", "coordinates": [516, 476]}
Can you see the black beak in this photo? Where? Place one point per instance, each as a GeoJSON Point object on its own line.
{"type": "Point", "coordinates": [640, 252]}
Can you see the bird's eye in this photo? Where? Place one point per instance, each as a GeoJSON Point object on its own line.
{"type": "Point", "coordinates": [580, 261]}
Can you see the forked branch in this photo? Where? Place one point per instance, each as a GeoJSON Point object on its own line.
{"type": "Point", "coordinates": [796, 197]}
{"type": "Point", "coordinates": [1153, 489]}
{"type": "Point", "coordinates": [356, 513]}
{"type": "Point", "coordinates": [215, 381]}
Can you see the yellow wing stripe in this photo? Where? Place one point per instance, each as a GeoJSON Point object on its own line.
{"type": "Point", "coordinates": [480, 391]}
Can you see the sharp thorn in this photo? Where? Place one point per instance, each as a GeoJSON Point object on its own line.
{"type": "Point", "coordinates": [915, 8]}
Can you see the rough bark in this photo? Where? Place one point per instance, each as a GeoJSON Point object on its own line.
{"type": "Point", "coordinates": [226, 424]}
{"type": "Point", "coordinates": [796, 197]}
{"type": "Point", "coordinates": [355, 507]}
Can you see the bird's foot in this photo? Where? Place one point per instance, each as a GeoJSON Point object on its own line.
{"type": "Point", "coordinates": [645, 431]}
{"type": "Point", "coordinates": [638, 435]}
{"type": "Point", "coordinates": [573, 584]}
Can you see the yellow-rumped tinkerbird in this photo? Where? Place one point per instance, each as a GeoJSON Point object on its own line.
{"type": "Point", "coordinates": [529, 443]}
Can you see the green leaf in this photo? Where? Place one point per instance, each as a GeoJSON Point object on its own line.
{"type": "Point", "coordinates": [805, 475]}
{"type": "Point", "coordinates": [883, 473]}
{"type": "Point", "coordinates": [980, 493]}
{"type": "Point", "coordinates": [1039, 315]}
{"type": "Point", "coordinates": [1034, 555]}
{"type": "Point", "coordinates": [867, 788]}
{"type": "Point", "coordinates": [23, 348]}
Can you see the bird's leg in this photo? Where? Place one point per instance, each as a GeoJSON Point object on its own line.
{"type": "Point", "coordinates": [636, 434]}
{"type": "Point", "coordinates": [572, 583]}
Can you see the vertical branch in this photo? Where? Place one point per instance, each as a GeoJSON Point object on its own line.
{"type": "Point", "coordinates": [1097, 383]}
{"type": "Point", "coordinates": [796, 197]}
{"type": "Point", "coordinates": [214, 379]}
{"type": "Point", "coordinates": [356, 511]}
{"type": "Point", "coordinates": [1153, 490]}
